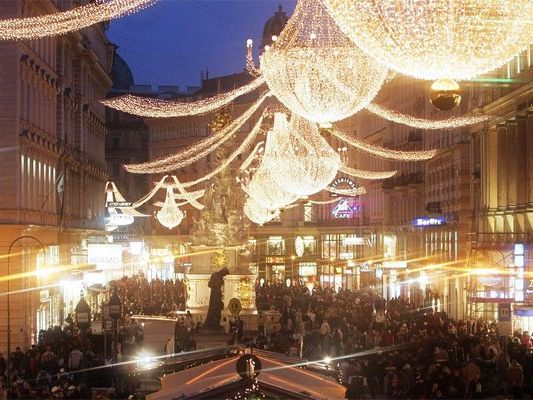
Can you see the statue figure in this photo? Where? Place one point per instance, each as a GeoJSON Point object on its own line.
{"type": "Point", "coordinates": [215, 299]}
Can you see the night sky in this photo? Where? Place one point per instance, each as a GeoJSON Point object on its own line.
{"type": "Point", "coordinates": [172, 41]}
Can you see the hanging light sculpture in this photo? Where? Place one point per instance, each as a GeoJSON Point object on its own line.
{"type": "Point", "coordinates": [299, 159]}
{"type": "Point", "coordinates": [266, 193]}
{"type": "Point", "coordinates": [310, 58]}
{"type": "Point", "coordinates": [257, 213]}
{"type": "Point", "coordinates": [170, 215]}
{"type": "Point", "coordinates": [454, 39]}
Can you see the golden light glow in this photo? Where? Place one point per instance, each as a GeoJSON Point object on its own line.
{"type": "Point", "coordinates": [297, 157]}
{"type": "Point", "coordinates": [66, 21]}
{"type": "Point", "coordinates": [382, 152]}
{"type": "Point", "coordinates": [456, 39]}
{"type": "Point", "coordinates": [265, 191]}
{"type": "Point", "coordinates": [158, 108]}
{"type": "Point", "coordinates": [308, 62]}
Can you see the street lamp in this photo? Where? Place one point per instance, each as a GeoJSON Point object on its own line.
{"type": "Point", "coordinates": [83, 313]}
{"type": "Point", "coordinates": [8, 314]}
{"type": "Point", "coordinates": [115, 312]}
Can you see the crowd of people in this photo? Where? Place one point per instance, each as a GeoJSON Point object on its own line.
{"type": "Point", "coordinates": [396, 350]}
{"type": "Point", "coordinates": [378, 347]}
{"type": "Point", "coordinates": [155, 297]}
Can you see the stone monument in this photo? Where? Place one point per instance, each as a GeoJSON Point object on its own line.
{"type": "Point", "coordinates": [220, 237]}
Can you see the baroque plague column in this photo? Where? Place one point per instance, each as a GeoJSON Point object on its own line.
{"type": "Point", "coordinates": [219, 240]}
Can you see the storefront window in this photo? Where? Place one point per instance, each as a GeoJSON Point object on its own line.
{"type": "Point", "coordinates": [329, 246]}
{"type": "Point", "coordinates": [307, 269]}
{"type": "Point", "coordinates": [347, 247]}
{"type": "Point", "coordinates": [309, 245]}
{"type": "Point", "coordinates": [389, 246]}
{"type": "Point", "coordinates": [275, 246]}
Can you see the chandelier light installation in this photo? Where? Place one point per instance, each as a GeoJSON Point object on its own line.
{"type": "Point", "coordinates": [436, 39]}
{"type": "Point", "coordinates": [66, 21]}
{"type": "Point", "coordinates": [298, 158]}
{"type": "Point", "coordinates": [170, 215]}
{"type": "Point", "coordinates": [257, 213]}
{"type": "Point", "coordinates": [311, 52]}
{"type": "Point", "coordinates": [265, 191]}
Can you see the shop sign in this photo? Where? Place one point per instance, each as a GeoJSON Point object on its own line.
{"type": "Point", "coordinates": [343, 210]}
{"type": "Point", "coordinates": [346, 255]}
{"type": "Point", "coordinates": [96, 239]}
{"type": "Point", "coordinates": [353, 241]}
{"type": "Point", "coordinates": [275, 260]}
{"type": "Point", "coordinates": [121, 220]}
{"type": "Point", "coordinates": [119, 204]}
{"type": "Point", "coordinates": [365, 267]}
{"type": "Point", "coordinates": [394, 264]}
{"type": "Point", "coordinates": [105, 256]}
{"type": "Point", "coordinates": [523, 312]}
{"type": "Point", "coordinates": [429, 221]}
{"type": "Point", "coordinates": [342, 183]}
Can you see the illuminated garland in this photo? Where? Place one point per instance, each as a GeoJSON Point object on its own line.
{"type": "Point", "coordinates": [347, 192]}
{"type": "Point", "coordinates": [383, 152]}
{"type": "Point", "coordinates": [310, 44]}
{"type": "Point", "coordinates": [170, 214]}
{"type": "Point", "coordinates": [157, 108]}
{"type": "Point", "coordinates": [421, 123]}
{"type": "Point", "coordinates": [369, 175]}
{"type": "Point", "coordinates": [66, 21]}
{"type": "Point", "coordinates": [456, 39]}
{"type": "Point", "coordinates": [247, 142]}
{"type": "Point", "coordinates": [265, 191]}
{"type": "Point", "coordinates": [196, 152]}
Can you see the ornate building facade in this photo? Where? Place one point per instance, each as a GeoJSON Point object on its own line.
{"type": "Point", "coordinates": [53, 141]}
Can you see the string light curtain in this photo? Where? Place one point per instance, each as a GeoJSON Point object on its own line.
{"type": "Point", "coordinates": [310, 44]}
{"type": "Point", "coordinates": [456, 39]}
{"type": "Point", "coordinates": [158, 108]}
{"type": "Point", "coordinates": [66, 21]}
{"type": "Point", "coordinates": [422, 123]}
{"type": "Point", "coordinates": [195, 152]}
{"type": "Point", "coordinates": [299, 159]}
{"type": "Point", "coordinates": [382, 152]}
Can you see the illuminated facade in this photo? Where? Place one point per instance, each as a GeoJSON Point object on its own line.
{"type": "Point", "coordinates": [502, 199]}
{"type": "Point", "coordinates": [53, 130]}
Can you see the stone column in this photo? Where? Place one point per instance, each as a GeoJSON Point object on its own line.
{"type": "Point", "coordinates": [501, 152]}
{"type": "Point", "coordinates": [521, 157]}
{"type": "Point", "coordinates": [530, 159]}
{"type": "Point", "coordinates": [512, 163]}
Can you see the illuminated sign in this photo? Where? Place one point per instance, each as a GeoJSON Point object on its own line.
{"type": "Point", "coordinates": [121, 219]}
{"type": "Point", "coordinates": [353, 241]}
{"type": "Point", "coordinates": [119, 204]}
{"type": "Point", "coordinates": [430, 221]}
{"type": "Point", "coordinates": [342, 183]}
{"type": "Point", "coordinates": [394, 264]}
{"type": "Point", "coordinates": [105, 256]}
{"type": "Point", "coordinates": [343, 210]}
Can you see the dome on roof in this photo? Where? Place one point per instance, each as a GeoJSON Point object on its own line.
{"type": "Point", "coordinates": [121, 73]}
{"type": "Point", "coordinates": [274, 26]}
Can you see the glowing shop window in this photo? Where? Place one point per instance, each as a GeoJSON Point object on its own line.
{"type": "Point", "coordinates": [275, 246]}
{"type": "Point", "coordinates": [389, 246]}
{"type": "Point", "coordinates": [307, 269]}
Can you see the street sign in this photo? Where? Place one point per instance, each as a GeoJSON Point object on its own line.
{"type": "Point", "coordinates": [235, 306]}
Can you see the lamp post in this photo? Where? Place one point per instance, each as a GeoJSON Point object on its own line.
{"type": "Point", "coordinates": [115, 312]}
{"type": "Point", "coordinates": [83, 313]}
{"type": "Point", "coordinates": [8, 313]}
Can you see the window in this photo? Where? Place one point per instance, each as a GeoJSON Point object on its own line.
{"type": "Point", "coordinates": [275, 246]}
{"type": "Point", "coordinates": [329, 246]}
{"type": "Point", "coordinates": [308, 212]}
